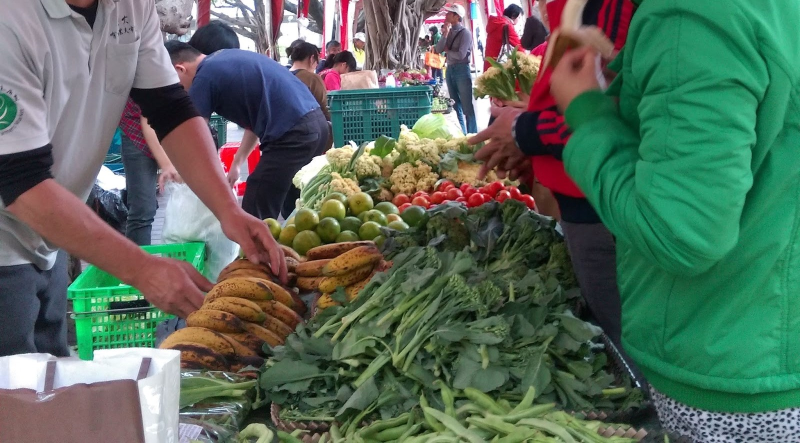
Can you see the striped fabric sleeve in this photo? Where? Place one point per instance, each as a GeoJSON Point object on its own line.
{"type": "Point", "coordinates": [542, 133]}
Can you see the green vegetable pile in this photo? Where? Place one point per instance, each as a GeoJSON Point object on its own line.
{"type": "Point", "coordinates": [478, 418]}
{"type": "Point", "coordinates": [477, 300]}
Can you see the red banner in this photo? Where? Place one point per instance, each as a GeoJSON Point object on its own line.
{"type": "Point", "coordinates": [277, 18]}
{"type": "Point", "coordinates": [345, 26]}
{"type": "Point", "coordinates": [304, 12]}
{"type": "Point", "coordinates": [203, 12]}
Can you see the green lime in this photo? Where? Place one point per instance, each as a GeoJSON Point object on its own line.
{"type": "Point", "coordinates": [347, 236]}
{"type": "Point", "coordinates": [305, 240]}
{"type": "Point", "coordinates": [360, 203]}
{"type": "Point", "coordinates": [375, 216]}
{"type": "Point", "coordinates": [369, 231]}
{"type": "Point", "coordinates": [379, 241]}
{"type": "Point", "coordinates": [328, 228]}
{"type": "Point", "coordinates": [414, 215]}
{"type": "Point", "coordinates": [306, 220]}
{"type": "Point", "coordinates": [350, 224]}
{"type": "Point", "coordinates": [387, 208]}
{"type": "Point", "coordinates": [398, 225]}
{"type": "Point", "coordinates": [334, 209]}
{"type": "Point", "coordinates": [336, 196]}
{"type": "Point", "coordinates": [287, 236]}
{"type": "Point", "coordinates": [274, 227]}
{"type": "Point", "coordinates": [290, 221]}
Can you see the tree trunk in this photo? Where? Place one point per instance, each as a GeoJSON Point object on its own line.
{"type": "Point", "coordinates": [175, 15]}
{"type": "Point", "coordinates": [252, 24]}
{"type": "Point", "coordinates": [392, 28]}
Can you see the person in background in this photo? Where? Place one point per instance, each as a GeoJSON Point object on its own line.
{"type": "Point", "coordinates": [209, 39]}
{"type": "Point", "coordinates": [274, 106]}
{"type": "Point", "coordinates": [480, 42]}
{"type": "Point", "coordinates": [289, 52]}
{"type": "Point", "coordinates": [359, 43]}
{"type": "Point", "coordinates": [535, 32]}
{"type": "Point", "coordinates": [331, 49]}
{"type": "Point", "coordinates": [57, 122]}
{"type": "Point", "coordinates": [343, 63]}
{"type": "Point", "coordinates": [496, 29]}
{"type": "Point", "coordinates": [142, 157]}
{"type": "Point", "coordinates": [436, 74]}
{"type": "Point", "coordinates": [456, 42]}
{"type": "Point", "coordinates": [214, 36]}
{"type": "Point", "coordinates": [305, 58]}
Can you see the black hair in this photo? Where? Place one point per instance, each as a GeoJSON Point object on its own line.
{"type": "Point", "coordinates": [434, 30]}
{"type": "Point", "coordinates": [180, 52]}
{"type": "Point", "coordinates": [214, 36]}
{"type": "Point", "coordinates": [346, 57]}
{"type": "Point", "coordinates": [513, 11]}
{"type": "Point", "coordinates": [331, 44]}
{"type": "Point", "coordinates": [303, 51]}
{"type": "Point", "coordinates": [292, 46]}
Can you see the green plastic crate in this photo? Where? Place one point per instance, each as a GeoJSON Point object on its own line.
{"type": "Point", "coordinates": [109, 314]}
{"type": "Point", "coordinates": [363, 115]}
{"type": "Point", "coordinates": [221, 125]}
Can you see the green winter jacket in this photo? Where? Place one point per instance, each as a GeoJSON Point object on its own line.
{"type": "Point", "coordinates": [697, 174]}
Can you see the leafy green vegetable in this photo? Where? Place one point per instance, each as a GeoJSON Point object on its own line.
{"type": "Point", "coordinates": [432, 126]}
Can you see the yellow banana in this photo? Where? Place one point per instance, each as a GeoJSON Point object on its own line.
{"type": "Point", "coordinates": [355, 289]}
{"type": "Point", "coordinates": [325, 301]}
{"type": "Point", "coordinates": [239, 349]}
{"type": "Point", "coordinates": [289, 252]}
{"type": "Point", "coordinates": [275, 325]}
{"type": "Point", "coordinates": [278, 292]}
{"type": "Point", "coordinates": [265, 334]}
{"type": "Point", "coordinates": [312, 268]}
{"type": "Point", "coordinates": [248, 273]}
{"type": "Point", "coordinates": [309, 283]}
{"type": "Point", "coordinates": [334, 250]}
{"type": "Point", "coordinates": [196, 356]}
{"type": "Point", "coordinates": [353, 259]}
{"type": "Point", "coordinates": [331, 283]}
{"type": "Point", "coordinates": [242, 287]}
{"type": "Point", "coordinates": [249, 341]}
{"type": "Point", "coordinates": [243, 264]}
{"type": "Point", "coordinates": [282, 312]}
{"type": "Point", "coordinates": [246, 310]}
{"type": "Point", "coordinates": [200, 336]}
{"type": "Point", "coordinates": [291, 263]}
{"type": "Point", "coordinates": [216, 320]}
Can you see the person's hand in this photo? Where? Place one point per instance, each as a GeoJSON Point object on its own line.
{"type": "Point", "coordinates": [256, 241]}
{"type": "Point", "coordinates": [171, 285]}
{"type": "Point", "coordinates": [522, 171]}
{"type": "Point", "coordinates": [575, 74]}
{"type": "Point", "coordinates": [501, 151]}
{"type": "Point", "coordinates": [233, 175]}
{"type": "Point", "coordinates": [445, 29]}
{"type": "Point", "coordinates": [168, 174]}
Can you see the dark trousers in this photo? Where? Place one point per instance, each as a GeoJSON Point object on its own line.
{"type": "Point", "coordinates": [594, 258]}
{"type": "Point", "coordinates": [33, 309]}
{"type": "Point", "coordinates": [141, 177]}
{"type": "Point", "coordinates": [459, 86]}
{"type": "Point", "coordinates": [269, 188]}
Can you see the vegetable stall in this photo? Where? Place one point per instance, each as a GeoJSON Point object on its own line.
{"type": "Point", "coordinates": [415, 311]}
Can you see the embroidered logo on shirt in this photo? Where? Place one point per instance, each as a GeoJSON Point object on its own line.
{"type": "Point", "coordinates": [125, 27]}
{"type": "Point", "coordinates": [10, 113]}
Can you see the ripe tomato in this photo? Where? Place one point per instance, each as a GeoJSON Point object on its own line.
{"type": "Point", "coordinates": [444, 185]}
{"type": "Point", "coordinates": [403, 207]}
{"type": "Point", "coordinates": [502, 196]}
{"type": "Point", "coordinates": [515, 193]}
{"type": "Point", "coordinates": [494, 188]}
{"type": "Point", "coordinates": [438, 197]}
{"type": "Point", "coordinates": [400, 200]}
{"type": "Point", "coordinates": [464, 187]}
{"type": "Point", "coordinates": [528, 200]}
{"type": "Point", "coordinates": [475, 200]}
{"type": "Point", "coordinates": [421, 201]}
{"type": "Point", "coordinates": [470, 192]}
{"type": "Point", "coordinates": [454, 193]}
{"type": "Point", "coordinates": [419, 194]}
{"type": "Point", "coordinates": [461, 200]}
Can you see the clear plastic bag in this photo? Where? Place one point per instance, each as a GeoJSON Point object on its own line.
{"type": "Point", "coordinates": [187, 219]}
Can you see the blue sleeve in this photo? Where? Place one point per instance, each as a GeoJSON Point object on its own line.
{"type": "Point", "coordinates": [202, 95]}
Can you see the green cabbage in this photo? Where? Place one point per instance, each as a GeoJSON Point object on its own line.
{"type": "Point", "coordinates": [432, 126]}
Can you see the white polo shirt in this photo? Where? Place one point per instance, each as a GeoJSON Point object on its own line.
{"type": "Point", "coordinates": [65, 83]}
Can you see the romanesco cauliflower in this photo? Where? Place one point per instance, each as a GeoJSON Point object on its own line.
{"type": "Point", "coordinates": [409, 178]}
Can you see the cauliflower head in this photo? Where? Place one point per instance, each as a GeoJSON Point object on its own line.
{"type": "Point", "coordinates": [339, 158]}
{"type": "Point", "coordinates": [409, 178]}
{"type": "Point", "coordinates": [468, 173]}
{"type": "Point", "coordinates": [368, 166]}
{"type": "Point", "coordinates": [346, 186]}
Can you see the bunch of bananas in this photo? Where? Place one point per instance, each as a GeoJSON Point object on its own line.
{"type": "Point", "coordinates": [348, 265]}
{"type": "Point", "coordinates": [244, 311]}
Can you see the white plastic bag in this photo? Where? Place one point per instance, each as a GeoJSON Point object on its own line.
{"type": "Point", "coordinates": [159, 390]}
{"type": "Point", "coordinates": [187, 219]}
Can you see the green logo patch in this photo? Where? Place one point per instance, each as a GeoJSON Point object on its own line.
{"type": "Point", "coordinates": [8, 111]}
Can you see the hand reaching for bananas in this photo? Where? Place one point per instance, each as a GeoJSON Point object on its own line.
{"type": "Point", "coordinates": [256, 240]}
